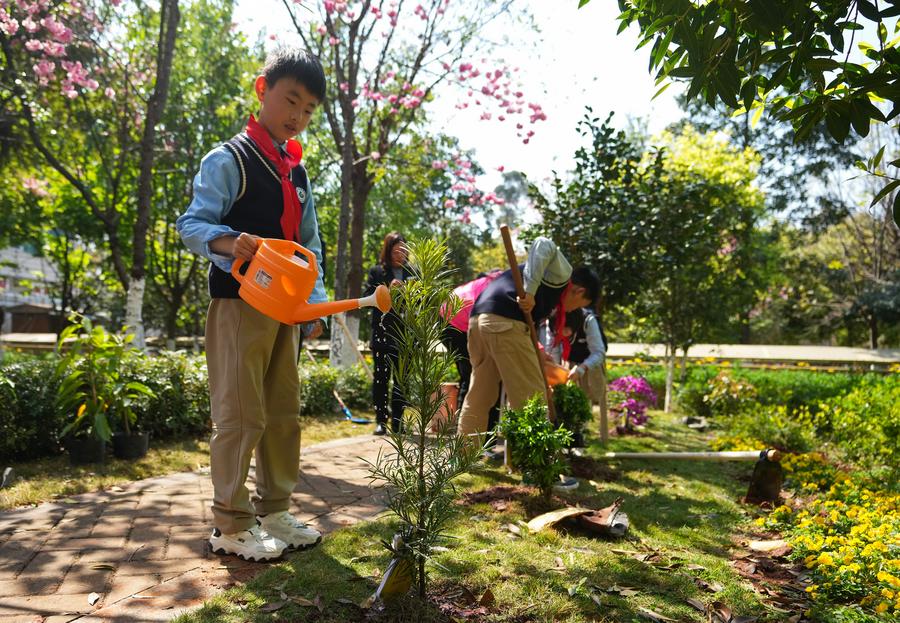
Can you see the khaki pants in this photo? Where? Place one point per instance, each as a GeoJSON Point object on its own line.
{"type": "Point", "coordinates": [593, 382]}
{"type": "Point", "coordinates": [254, 395]}
{"type": "Point", "coordinates": [500, 350]}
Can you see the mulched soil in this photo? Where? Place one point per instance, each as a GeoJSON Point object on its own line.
{"type": "Point", "coordinates": [592, 469]}
{"type": "Point", "coordinates": [503, 498]}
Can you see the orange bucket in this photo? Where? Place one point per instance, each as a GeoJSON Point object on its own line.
{"type": "Point", "coordinates": [556, 374]}
{"type": "Point", "coordinates": [280, 278]}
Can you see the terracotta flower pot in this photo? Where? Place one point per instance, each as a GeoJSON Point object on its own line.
{"type": "Point", "coordinates": [448, 412]}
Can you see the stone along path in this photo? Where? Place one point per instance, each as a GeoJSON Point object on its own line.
{"type": "Point", "coordinates": [142, 547]}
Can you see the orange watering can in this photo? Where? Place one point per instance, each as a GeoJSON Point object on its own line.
{"type": "Point", "coordinates": [280, 278]}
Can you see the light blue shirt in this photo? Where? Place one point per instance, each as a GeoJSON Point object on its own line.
{"type": "Point", "coordinates": [216, 188]}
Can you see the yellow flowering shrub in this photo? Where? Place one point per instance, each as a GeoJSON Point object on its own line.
{"type": "Point", "coordinates": [847, 534]}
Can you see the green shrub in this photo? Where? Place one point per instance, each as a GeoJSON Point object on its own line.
{"type": "Point", "coordinates": [728, 394]}
{"type": "Point", "coordinates": [28, 418]}
{"type": "Point", "coordinates": [355, 388]}
{"type": "Point", "coordinates": [181, 404]}
{"type": "Point", "coordinates": [573, 407]}
{"type": "Point", "coordinates": [777, 427]}
{"type": "Point", "coordinates": [536, 446]}
{"type": "Point", "coordinates": [317, 382]}
{"type": "Point", "coordinates": [865, 423]}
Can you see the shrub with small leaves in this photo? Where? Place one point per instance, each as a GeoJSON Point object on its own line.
{"type": "Point", "coordinates": [728, 394]}
{"type": "Point", "coordinates": [573, 407]}
{"type": "Point", "coordinates": [536, 446]}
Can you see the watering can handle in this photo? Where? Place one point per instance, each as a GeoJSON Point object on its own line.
{"type": "Point", "coordinates": [238, 262]}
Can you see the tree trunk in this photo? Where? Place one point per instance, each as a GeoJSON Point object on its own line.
{"type": "Point", "coordinates": [340, 354]}
{"type": "Point", "coordinates": [670, 377]}
{"type": "Point", "coordinates": [682, 377]}
{"type": "Point", "coordinates": [873, 332]}
{"type": "Point", "coordinates": [168, 29]}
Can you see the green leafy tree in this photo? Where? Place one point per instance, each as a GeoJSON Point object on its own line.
{"type": "Point", "coordinates": [703, 219]}
{"type": "Point", "coordinates": [208, 102]}
{"type": "Point", "coordinates": [384, 62]}
{"type": "Point", "coordinates": [600, 216]}
{"type": "Point", "coordinates": [791, 57]}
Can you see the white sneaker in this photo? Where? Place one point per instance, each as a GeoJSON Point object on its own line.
{"type": "Point", "coordinates": [254, 544]}
{"type": "Point", "coordinates": [285, 527]}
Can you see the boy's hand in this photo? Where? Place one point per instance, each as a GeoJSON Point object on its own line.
{"type": "Point", "coordinates": [576, 373]}
{"type": "Point", "coordinates": [396, 283]}
{"type": "Point", "coordinates": [245, 246]}
{"type": "Point", "coordinates": [526, 303]}
{"type": "Point", "coordinates": [313, 329]}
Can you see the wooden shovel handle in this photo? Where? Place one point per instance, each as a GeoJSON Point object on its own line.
{"type": "Point", "coordinates": [520, 292]}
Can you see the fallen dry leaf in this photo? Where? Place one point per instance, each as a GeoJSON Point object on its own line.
{"type": "Point", "coordinates": [272, 606]}
{"type": "Point", "coordinates": [696, 604]}
{"type": "Point", "coordinates": [548, 519]}
{"type": "Point", "coordinates": [301, 601]}
{"type": "Point", "coordinates": [653, 616]}
{"type": "Point", "coordinates": [487, 599]}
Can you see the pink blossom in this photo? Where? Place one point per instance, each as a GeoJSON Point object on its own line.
{"type": "Point", "coordinates": [375, 155]}
{"type": "Point", "coordinates": [329, 6]}
{"type": "Point", "coordinates": [501, 168]}
{"type": "Point", "coordinates": [30, 25]}
{"type": "Point", "coordinates": [33, 45]}
{"type": "Point", "coordinates": [109, 92]}
{"type": "Point", "coordinates": [35, 186]}
{"type": "Point", "coordinates": [449, 204]}
{"type": "Point", "coordinates": [439, 164]}
{"type": "Point", "coordinates": [466, 216]}
{"type": "Point", "coordinates": [9, 25]}
{"type": "Point", "coordinates": [332, 41]}
{"type": "Point", "coordinates": [321, 29]}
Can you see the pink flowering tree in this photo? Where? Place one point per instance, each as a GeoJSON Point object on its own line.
{"type": "Point", "coordinates": [385, 60]}
{"type": "Point", "coordinates": [86, 83]}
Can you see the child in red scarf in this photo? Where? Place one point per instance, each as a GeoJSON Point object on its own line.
{"type": "Point", "coordinates": [254, 186]}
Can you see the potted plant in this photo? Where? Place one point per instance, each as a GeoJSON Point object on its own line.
{"type": "Point", "coordinates": [573, 410]}
{"type": "Point", "coordinates": [93, 390]}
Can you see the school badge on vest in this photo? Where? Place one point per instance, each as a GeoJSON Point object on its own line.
{"type": "Point", "coordinates": [301, 194]}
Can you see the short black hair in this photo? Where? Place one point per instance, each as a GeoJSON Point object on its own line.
{"type": "Point", "coordinates": [299, 64]}
{"type": "Point", "coordinates": [586, 278]}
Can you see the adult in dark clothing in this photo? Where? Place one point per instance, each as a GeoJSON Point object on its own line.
{"type": "Point", "coordinates": [391, 271]}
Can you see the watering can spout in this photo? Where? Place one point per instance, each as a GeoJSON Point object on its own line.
{"type": "Point", "coordinates": [381, 299]}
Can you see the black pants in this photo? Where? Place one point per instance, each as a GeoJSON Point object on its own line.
{"type": "Point", "coordinates": [384, 361]}
{"type": "Point", "coordinates": [457, 342]}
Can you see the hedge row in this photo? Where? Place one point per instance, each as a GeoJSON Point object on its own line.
{"type": "Point", "coordinates": [180, 408]}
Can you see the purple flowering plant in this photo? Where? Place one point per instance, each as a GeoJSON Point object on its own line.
{"type": "Point", "coordinates": [630, 397]}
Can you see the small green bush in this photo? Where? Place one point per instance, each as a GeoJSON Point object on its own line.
{"type": "Point", "coordinates": [573, 407]}
{"type": "Point", "coordinates": [865, 423]}
{"type": "Point", "coordinates": [728, 394]}
{"type": "Point", "coordinates": [28, 418]}
{"type": "Point", "coordinates": [317, 382]}
{"type": "Point", "coordinates": [536, 446]}
{"type": "Point", "coordinates": [354, 387]}
{"type": "Point", "coordinates": [181, 404]}
{"type": "Point", "coordinates": [777, 427]}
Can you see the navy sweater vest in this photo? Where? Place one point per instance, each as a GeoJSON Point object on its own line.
{"type": "Point", "coordinates": [576, 320]}
{"type": "Point", "coordinates": [500, 298]}
{"type": "Point", "coordinates": [258, 207]}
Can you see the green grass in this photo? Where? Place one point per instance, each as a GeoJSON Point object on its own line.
{"type": "Point", "coordinates": [47, 479]}
{"type": "Point", "coordinates": [683, 513]}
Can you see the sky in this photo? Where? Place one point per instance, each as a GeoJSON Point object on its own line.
{"type": "Point", "coordinates": [576, 60]}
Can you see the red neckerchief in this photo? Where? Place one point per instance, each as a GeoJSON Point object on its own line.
{"type": "Point", "coordinates": [561, 324]}
{"type": "Point", "coordinates": [284, 162]}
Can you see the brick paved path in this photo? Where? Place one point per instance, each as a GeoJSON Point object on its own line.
{"type": "Point", "coordinates": [142, 547]}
